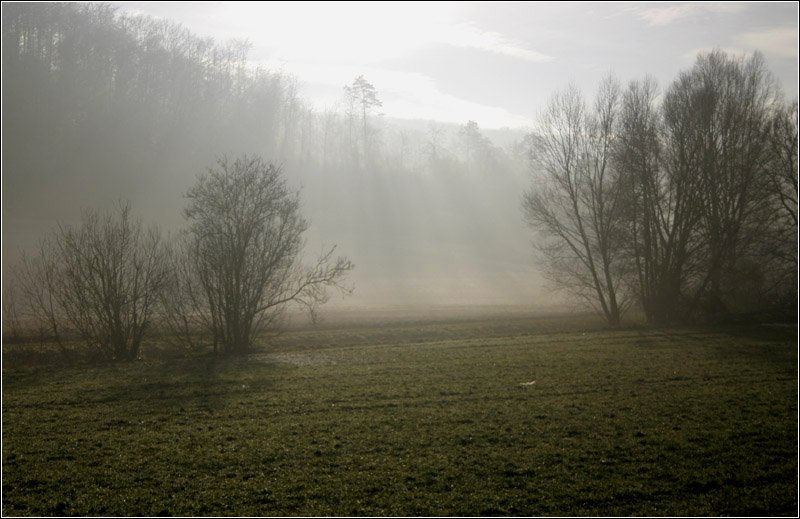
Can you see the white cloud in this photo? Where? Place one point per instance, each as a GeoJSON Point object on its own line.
{"type": "Point", "coordinates": [780, 41]}
{"type": "Point", "coordinates": [356, 32]}
{"type": "Point", "coordinates": [777, 40]}
{"type": "Point", "coordinates": [431, 103]}
{"type": "Point", "coordinates": [469, 36]}
{"type": "Point", "coordinates": [666, 14]}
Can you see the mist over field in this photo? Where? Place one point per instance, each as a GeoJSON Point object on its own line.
{"type": "Point", "coordinates": [426, 218]}
{"type": "Point", "coordinates": [422, 189]}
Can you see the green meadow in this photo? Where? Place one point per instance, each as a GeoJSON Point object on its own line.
{"type": "Point", "coordinates": [515, 415]}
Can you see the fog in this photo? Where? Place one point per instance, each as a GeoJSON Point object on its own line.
{"type": "Point", "coordinates": [105, 102]}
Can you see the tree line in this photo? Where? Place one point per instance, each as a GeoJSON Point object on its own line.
{"type": "Point", "coordinates": [682, 202]}
{"type": "Point", "coordinates": [159, 92]}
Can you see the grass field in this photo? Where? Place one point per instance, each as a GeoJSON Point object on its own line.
{"type": "Point", "coordinates": [500, 416]}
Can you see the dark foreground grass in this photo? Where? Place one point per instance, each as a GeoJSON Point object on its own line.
{"type": "Point", "coordinates": [417, 420]}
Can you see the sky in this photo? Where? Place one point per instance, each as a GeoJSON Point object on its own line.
{"type": "Point", "coordinates": [495, 63]}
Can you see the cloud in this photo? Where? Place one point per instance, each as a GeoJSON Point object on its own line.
{"type": "Point", "coordinates": [781, 41]}
{"type": "Point", "coordinates": [467, 35]}
{"type": "Point", "coordinates": [662, 15]}
{"type": "Point", "coordinates": [354, 32]}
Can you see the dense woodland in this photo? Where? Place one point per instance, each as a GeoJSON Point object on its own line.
{"type": "Point", "coordinates": [680, 200]}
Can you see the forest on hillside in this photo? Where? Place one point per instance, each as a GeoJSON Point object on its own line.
{"type": "Point", "coordinates": [103, 104]}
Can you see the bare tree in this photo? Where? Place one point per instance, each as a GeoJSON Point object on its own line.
{"type": "Point", "coordinates": [186, 312]}
{"type": "Point", "coordinates": [783, 170]}
{"type": "Point", "coordinates": [725, 103]}
{"type": "Point", "coordinates": [242, 251]}
{"type": "Point", "coordinates": [38, 282]}
{"type": "Point", "coordinates": [656, 159]}
{"type": "Point", "coordinates": [576, 203]}
{"type": "Point", "coordinates": [702, 187]}
{"type": "Point", "coordinates": [776, 229]}
{"type": "Point", "coordinates": [12, 327]}
{"type": "Point", "coordinates": [100, 280]}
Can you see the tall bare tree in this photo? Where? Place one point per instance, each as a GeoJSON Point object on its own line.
{"type": "Point", "coordinates": [777, 232]}
{"type": "Point", "coordinates": [657, 162]}
{"type": "Point", "coordinates": [701, 183]}
{"type": "Point", "coordinates": [726, 103]}
{"type": "Point", "coordinates": [243, 252]}
{"type": "Point", "coordinates": [783, 170]}
{"type": "Point", "coordinates": [575, 204]}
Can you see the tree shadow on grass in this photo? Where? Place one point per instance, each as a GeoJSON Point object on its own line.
{"type": "Point", "coordinates": [209, 382]}
{"type": "Point", "coordinates": [776, 345]}
{"type": "Point", "coordinates": [780, 332]}
{"type": "Point", "coordinates": [190, 386]}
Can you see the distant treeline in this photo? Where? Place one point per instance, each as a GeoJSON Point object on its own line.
{"type": "Point", "coordinates": [668, 208]}
{"type": "Point", "coordinates": [117, 86]}
{"type": "Point", "coordinates": [89, 89]}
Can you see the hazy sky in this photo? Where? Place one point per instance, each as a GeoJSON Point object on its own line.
{"type": "Point", "coordinates": [495, 63]}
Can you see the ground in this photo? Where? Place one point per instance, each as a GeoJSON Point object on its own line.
{"type": "Point", "coordinates": [505, 415]}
